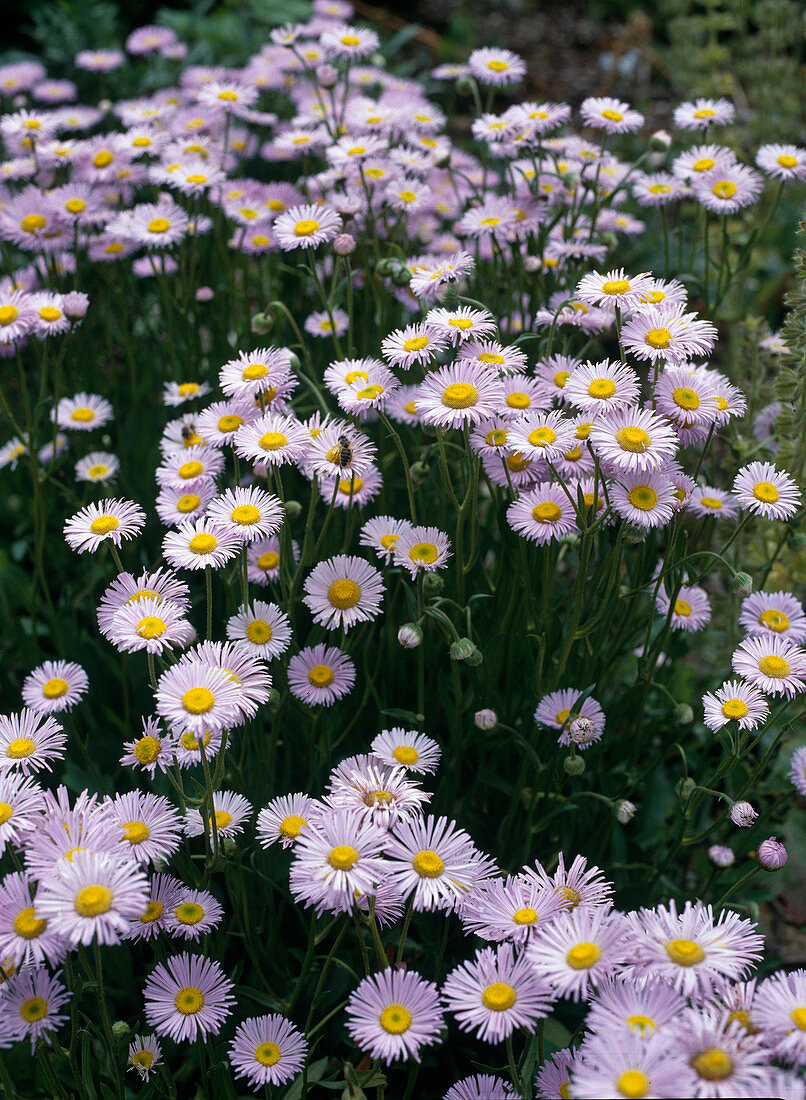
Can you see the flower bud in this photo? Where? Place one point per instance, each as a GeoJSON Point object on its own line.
{"type": "Point", "coordinates": [741, 584]}
{"type": "Point", "coordinates": [294, 361]}
{"type": "Point", "coordinates": [573, 765]}
{"type": "Point", "coordinates": [684, 787]}
{"type": "Point", "coordinates": [387, 266]}
{"type": "Point", "coordinates": [204, 294]}
{"type": "Point", "coordinates": [796, 540]}
{"type": "Point", "coordinates": [462, 649]}
{"type": "Point", "coordinates": [261, 323]}
{"type": "Point", "coordinates": [683, 714]}
{"type": "Point", "coordinates": [721, 855]}
{"type": "Point", "coordinates": [531, 263]}
{"type": "Point", "coordinates": [401, 276]}
{"type": "Point", "coordinates": [465, 84]}
{"type": "Point", "coordinates": [433, 584]}
{"type": "Point", "coordinates": [485, 719]}
{"type": "Point", "coordinates": [660, 141]}
{"type": "Point", "coordinates": [624, 811]}
{"type": "Point", "coordinates": [344, 244]}
{"type": "Point", "coordinates": [772, 855]}
{"type": "Point", "coordinates": [327, 76]}
{"type": "Point", "coordinates": [475, 659]}
{"type": "Point", "coordinates": [419, 472]}
{"type": "Point", "coordinates": [75, 305]}
{"type": "Point", "coordinates": [570, 180]}
{"type": "Point", "coordinates": [120, 1029]}
{"type": "Point", "coordinates": [610, 240]}
{"type": "Point", "coordinates": [410, 635]}
{"type": "Point", "coordinates": [293, 509]}
{"type": "Point", "coordinates": [581, 731]}
{"type": "Point", "coordinates": [273, 701]}
{"type": "Point", "coordinates": [742, 814]}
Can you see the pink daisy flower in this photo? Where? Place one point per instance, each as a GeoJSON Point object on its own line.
{"type": "Point", "coordinates": [113, 520]}
{"type": "Point", "coordinates": [393, 1014]}
{"type": "Point", "coordinates": [632, 439]}
{"type": "Point", "coordinates": [612, 115]}
{"type": "Point", "coordinates": [199, 544]}
{"type": "Point", "coordinates": [422, 549]}
{"type": "Point", "coordinates": [727, 188]}
{"type": "Point", "coordinates": [195, 913]}
{"type": "Point", "coordinates": [510, 909]}
{"type": "Point", "coordinates": [613, 290]}
{"type": "Point", "coordinates": [54, 686]}
{"type": "Point", "coordinates": [274, 438]}
{"type": "Point", "coordinates": [691, 610]}
{"type": "Point", "coordinates": [320, 674]}
{"type": "Point", "coordinates": [706, 500]}
{"type": "Point", "coordinates": [773, 613]}
{"type": "Point", "coordinates": [149, 751]}
{"type": "Point", "coordinates": [93, 897]}
{"type": "Point", "coordinates": [735, 701]}
{"type": "Point", "coordinates": [29, 741]}
{"type": "Point", "coordinates": [250, 513]}
{"type": "Point", "coordinates": [343, 591]}
{"type": "Point", "coordinates": [408, 748]}
{"type": "Point", "coordinates": [668, 333]}
{"type": "Point", "coordinates": [763, 490]}
{"type": "Point", "coordinates": [230, 811]}
{"type": "Point", "coordinates": [433, 860]}
{"type": "Point", "coordinates": [306, 227]}
{"type": "Point", "coordinates": [196, 696]}
{"type": "Point", "coordinates": [579, 949]}
{"type": "Point", "coordinates": [782, 162]}
{"type": "Point", "coordinates": [261, 628]}
{"type": "Point", "coordinates": [414, 344]}
{"type": "Point", "coordinates": [337, 854]}
{"type": "Point", "coordinates": [496, 67]}
{"type": "Point", "coordinates": [26, 939]}
{"type": "Point", "coordinates": [771, 663]}
{"type": "Point", "coordinates": [702, 113]}
{"type": "Point", "coordinates": [284, 819]}
{"type": "Point", "coordinates": [542, 514]}
{"type": "Point", "coordinates": [31, 1006]}
{"type": "Point", "coordinates": [645, 498]}
{"type": "Point", "coordinates": [188, 998]}
{"type": "Point", "coordinates": [267, 1050]}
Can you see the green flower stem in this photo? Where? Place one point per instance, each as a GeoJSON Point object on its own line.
{"type": "Point", "coordinates": [208, 587]}
{"type": "Point", "coordinates": [405, 461]}
{"type": "Point", "coordinates": [739, 882]}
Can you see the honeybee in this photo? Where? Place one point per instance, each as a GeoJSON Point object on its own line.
{"type": "Point", "coordinates": [345, 453]}
{"type": "Point", "coordinates": [188, 433]}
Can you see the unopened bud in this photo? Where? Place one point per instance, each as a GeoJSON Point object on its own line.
{"type": "Point", "coordinates": [721, 855]}
{"type": "Point", "coordinates": [294, 361]}
{"type": "Point", "coordinates": [433, 584]}
{"type": "Point", "coordinates": [120, 1029]}
{"type": "Point", "coordinates": [742, 814]}
{"type": "Point", "coordinates": [273, 701]}
{"type": "Point", "coordinates": [485, 719]}
{"type": "Point", "coordinates": [684, 787]}
{"type": "Point", "coordinates": [581, 731]}
{"type": "Point", "coordinates": [401, 276]}
{"type": "Point", "coordinates": [796, 539]}
{"type": "Point", "coordinates": [609, 240]}
{"type": "Point", "coordinates": [573, 765]}
{"type": "Point", "coordinates": [465, 85]}
{"type": "Point", "coordinates": [419, 472]}
{"type": "Point", "coordinates": [344, 244]}
{"type": "Point", "coordinates": [443, 157]}
{"type": "Point", "coordinates": [570, 180]}
{"type": "Point", "coordinates": [75, 305]}
{"type": "Point", "coordinates": [293, 509]}
{"type": "Point", "coordinates": [624, 811]}
{"type": "Point", "coordinates": [204, 294]}
{"type": "Point", "coordinates": [683, 714]}
{"type": "Point", "coordinates": [261, 323]}
{"type": "Point", "coordinates": [475, 659]}
{"type": "Point", "coordinates": [741, 584]}
{"type": "Point", "coordinates": [772, 855]}
{"type": "Point", "coordinates": [660, 141]}
{"type": "Point", "coordinates": [387, 266]}
{"type": "Point", "coordinates": [410, 636]}
{"type": "Point", "coordinates": [327, 76]}
{"type": "Point", "coordinates": [462, 649]}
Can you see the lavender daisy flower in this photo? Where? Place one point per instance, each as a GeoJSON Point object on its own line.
{"type": "Point", "coordinates": [145, 1054]}
{"type": "Point", "coordinates": [763, 490]}
{"type": "Point", "coordinates": [579, 949]}
{"type": "Point", "coordinates": [735, 701]}
{"type": "Point", "coordinates": [691, 951]}
{"type": "Point", "coordinates": [393, 1014]}
{"type": "Point", "coordinates": [772, 664]}
{"type": "Point", "coordinates": [154, 625]}
{"type": "Point", "coordinates": [542, 514]}
{"type": "Point", "coordinates": [433, 860]}
{"type": "Point", "coordinates": [422, 549]}
{"type": "Point", "coordinates": [248, 513]}
{"type": "Point", "coordinates": [284, 819]}
{"type": "Point", "coordinates": [267, 1050]}
{"type": "Point", "coordinates": [376, 792]}
{"type": "Point", "coordinates": [188, 998]}
{"type": "Point", "coordinates": [343, 591]}
{"type": "Point", "coordinates": [611, 115]}
{"type": "Point", "coordinates": [93, 897]}
{"type": "Point", "coordinates": [320, 674]}
{"type": "Point", "coordinates": [481, 1086]}
{"type": "Point", "coordinates": [177, 506]}
{"type": "Point", "coordinates": [598, 387]}
{"type": "Point", "coordinates": [31, 1006]}
{"type": "Point", "coordinates": [706, 500]}
{"type": "Point", "coordinates": [114, 520]}
{"type": "Point", "coordinates": [261, 628]}
{"type": "Point", "coordinates": [337, 854]}
{"type": "Point", "coordinates": [196, 696]}
{"type": "Point", "coordinates": [510, 909]}
{"type": "Point", "coordinates": [702, 113]}
{"type": "Point", "coordinates": [797, 770]}
{"type": "Point", "coordinates": [554, 1079]}
{"type": "Point", "coordinates": [712, 1057]}
{"type": "Point", "coordinates": [198, 544]}
{"type": "Point", "coordinates": [633, 1067]}
{"type": "Point", "coordinates": [632, 439]}
{"type": "Point", "coordinates": [625, 1007]}
{"type": "Point", "coordinates": [149, 823]}
{"type": "Point", "coordinates": [645, 498]}
{"type": "Point", "coordinates": [496, 993]}
{"type": "Point", "coordinates": [306, 227]}
{"type": "Point", "coordinates": [230, 811]}
{"type": "Point", "coordinates": [97, 467]}
{"type": "Point", "coordinates": [614, 290]}
{"type": "Point", "coordinates": [727, 188]}
{"type": "Point", "coordinates": [414, 751]}
{"type": "Point", "coordinates": [21, 802]}
{"type": "Point", "coordinates": [25, 936]}
{"type": "Point", "coordinates": [668, 333]}
{"type": "Point", "coordinates": [496, 67]}
{"type": "Point", "coordinates": [381, 534]}
{"type": "Point", "coordinates": [275, 439]}
{"type": "Point", "coordinates": [163, 895]}
{"type": "Point", "coordinates": [29, 741]}
{"type": "Point", "coordinates": [414, 344]}
{"type": "Point", "coordinates": [195, 913]}
{"type": "Point", "coordinates": [126, 590]}
{"type": "Point", "coordinates": [782, 162]}
{"type": "Point", "coordinates": [691, 610]}
{"type": "Point", "coordinates": [773, 613]}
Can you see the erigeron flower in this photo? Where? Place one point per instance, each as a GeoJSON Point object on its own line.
{"type": "Point", "coordinates": [715, 1056]}
{"type": "Point", "coordinates": [306, 226]}
{"type": "Point", "coordinates": [188, 998]}
{"type": "Point", "coordinates": [230, 811]}
{"type": "Point", "coordinates": [763, 490]}
{"type": "Point", "coordinates": [541, 436]}
{"type": "Point", "coordinates": [554, 711]}
{"type": "Point", "coordinates": [726, 189]}
{"type": "Point", "coordinates": [381, 534]}
{"type": "Point", "coordinates": [273, 438]}
{"type": "Point", "coordinates": [263, 560]}
{"type": "Point", "coordinates": [691, 610]}
{"type": "Point", "coordinates": [632, 439]}
{"type": "Point", "coordinates": [249, 514]}
{"type": "Point", "coordinates": [97, 467]}
{"type": "Point", "coordinates": [496, 67]}
{"type": "Point", "coordinates": [82, 412]}
{"type": "Point", "coordinates": [657, 189]}
{"type": "Point", "coordinates": [771, 663]}
{"type": "Point", "coordinates": [579, 949]}
{"type": "Point", "coordinates": [150, 624]}
{"type": "Point", "coordinates": [702, 113]}
{"type": "Point", "coordinates": [645, 498]}
{"type": "Point", "coordinates": [320, 674]}
{"type": "Point", "coordinates": [773, 613]}
{"type": "Point", "coordinates": [542, 514]}
{"type": "Point", "coordinates": [422, 549]}
{"type": "Point", "coordinates": [154, 225]}
{"type": "Point", "coordinates": [195, 913]}
{"type": "Point", "coordinates": [482, 1086]}
{"type": "Point", "coordinates": [597, 387]}
{"type": "Point", "coordinates": [393, 1014]}
{"type": "Point", "coordinates": [199, 544]}
{"type": "Point", "coordinates": [26, 939]}
{"type": "Point", "coordinates": [613, 290]}
{"type": "Point", "coordinates": [343, 591]}
{"type": "Point", "coordinates": [284, 819]}
{"type": "Point", "coordinates": [413, 344]}
{"type": "Point", "coordinates": [177, 393]}
{"type": "Point", "coordinates": [407, 748]}
{"type": "Point", "coordinates": [346, 41]}
{"type": "Point", "coordinates": [376, 792]}
{"type": "Point", "coordinates": [510, 909]}
{"type": "Point", "coordinates": [632, 1067]}
{"type": "Point", "coordinates": [267, 1050]}
{"type": "Point", "coordinates": [190, 467]}
{"type": "Point", "coordinates": [196, 696]}
{"type": "Point", "coordinates": [667, 332]}
{"type": "Point", "coordinates": [640, 1009]}
{"type": "Point", "coordinates": [176, 505]}
{"type": "Point", "coordinates": [261, 628]}
{"type": "Point", "coordinates": [686, 397]}
{"type": "Point", "coordinates": [254, 372]}
{"type": "Point", "coordinates": [52, 687]}
{"type": "Point", "coordinates": [149, 751]}
{"type": "Point", "coordinates": [433, 860]}
{"type": "Point", "coordinates": [93, 897]}
{"type": "Point", "coordinates": [735, 701]}
{"type": "Point", "coordinates": [504, 359]}
{"type": "Point", "coordinates": [521, 395]}
{"type": "Point", "coordinates": [611, 115]}
{"type": "Point", "coordinates": [336, 855]}
{"type": "Point", "coordinates": [782, 162]}
{"type": "Point", "coordinates": [144, 1056]}
{"type": "Point", "coordinates": [460, 324]}
{"type": "Point", "coordinates": [20, 806]}
{"type": "Point", "coordinates": [148, 823]}
{"type": "Point", "coordinates": [706, 500]}
{"type": "Point", "coordinates": [31, 1006]}
{"type": "Point", "coordinates": [218, 423]}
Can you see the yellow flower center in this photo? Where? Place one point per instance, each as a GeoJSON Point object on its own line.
{"type": "Point", "coordinates": [659, 189]}
{"type": "Point", "coordinates": [27, 925]}
{"type": "Point", "coordinates": [734, 708]}
{"type": "Point", "coordinates": [6, 812]}
{"type": "Point", "coordinates": [498, 997]}
{"type": "Point", "coordinates": [152, 626]}
{"type": "Point", "coordinates": [189, 470]}
{"type": "Point", "coordinates": [8, 314]}
{"type": "Point", "coordinates": [188, 503]}
{"type": "Point", "coordinates": [798, 1016]}
{"type": "Point", "coordinates": [491, 358]}
{"type": "Point", "coordinates": [97, 471]}
{"type": "Point", "coordinates": [189, 1000]}
{"type": "Point", "coordinates": [685, 952]}
{"type": "Point", "coordinates": [633, 439]}
{"type": "Point", "coordinates": [104, 524]}
{"type": "Point", "coordinates": [306, 227]}
{"type": "Point", "coordinates": [704, 164]}
{"type": "Point", "coordinates": [291, 826]}
{"type": "Point", "coordinates": [542, 436]}
{"type": "Point", "coordinates": [774, 620]}
{"type": "Point", "coordinates": [33, 1009]}
{"type": "Point", "coordinates": [408, 196]}
{"type": "Point", "coordinates": [222, 818]}
{"type": "Point", "coordinates": [786, 161]}
{"type": "Point", "coordinates": [268, 561]}
{"type": "Point", "coordinates": [369, 393]}
{"type": "Point", "coordinates": [254, 372]}
{"type": "Point", "coordinates": [496, 438]}
{"type": "Point", "coordinates": [321, 676]}
{"type": "Point", "coordinates": [547, 512]}
{"type": "Point", "coordinates": [518, 400]}
{"type": "Point", "coordinates": [395, 1019]}
{"type": "Point", "coordinates": [704, 112]}
{"type": "Point", "coordinates": [633, 1084]}
{"type": "Point", "coordinates": [686, 398]}
{"type": "Point", "coordinates": [612, 116]}
{"type": "Point", "coordinates": [268, 1054]}
{"type": "Point", "coordinates": [259, 632]}
{"type": "Point", "coordinates": [55, 688]}
{"type": "Point", "coordinates": [523, 916]}
{"type": "Point", "coordinates": [203, 544]}
{"type": "Point", "coordinates": [682, 608]}
{"type": "Point", "coordinates": [415, 343]}
{"type": "Point", "coordinates": [153, 912]}
{"type": "Point", "coordinates": [159, 225]}
{"type": "Point", "coordinates": [460, 395]}
{"type": "Point", "coordinates": [229, 423]}
{"type": "Point", "coordinates": [583, 956]}
{"type": "Point", "coordinates": [602, 388]}
{"type": "Point", "coordinates": [273, 441]}
{"type": "Point", "coordinates": [497, 66]}
{"type": "Point", "coordinates": [350, 40]}
{"type": "Point", "coordinates": [711, 502]}
{"type": "Point", "coordinates": [428, 864]}
{"type": "Point", "coordinates": [777, 668]}
{"type": "Point", "coordinates": [658, 337]}
{"type": "Point", "coordinates": [198, 700]}
{"type": "Point", "coordinates": [135, 832]}
{"type": "Point", "coordinates": [343, 857]}
{"type": "Point", "coordinates": [724, 189]}
{"type": "Point", "coordinates": [31, 223]}
{"type": "Point", "coordinates": [425, 552]}
{"type": "Point", "coordinates": [147, 749]}
{"type": "Point", "coordinates": [245, 514]}
{"type": "Point", "coordinates": [344, 594]}
{"type": "Point", "coordinates": [615, 286]}
{"type": "Point", "coordinates": [405, 754]}
{"type": "Point", "coordinates": [142, 1058]}
{"type": "Point", "coordinates": [189, 912]}
{"type": "Point", "coordinates": [766, 492]}
{"type": "Point", "coordinates": [713, 1064]}
{"type": "Point", "coordinates": [92, 901]}
{"type": "Point", "coordinates": [640, 1023]}
{"type": "Point", "coordinates": [643, 497]}
{"type": "Point", "coordinates": [19, 748]}
{"type": "Point", "coordinates": [565, 1090]}
{"type": "Point", "coordinates": [388, 541]}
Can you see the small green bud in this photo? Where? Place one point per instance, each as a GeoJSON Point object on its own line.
{"type": "Point", "coordinates": [475, 659]}
{"type": "Point", "coordinates": [293, 361]}
{"type": "Point", "coordinates": [684, 787]}
{"type": "Point", "coordinates": [461, 650]}
{"type": "Point", "coordinates": [293, 509]}
{"type": "Point", "coordinates": [683, 714]}
{"type": "Point", "coordinates": [419, 472]}
{"type": "Point", "coordinates": [797, 540]}
{"type": "Point", "coordinates": [261, 323]}
{"type": "Point", "coordinates": [574, 765]}
{"type": "Point", "coordinates": [433, 584]}
{"type": "Point", "coordinates": [570, 180]}
{"type": "Point", "coordinates": [273, 701]}
{"type": "Point", "coordinates": [609, 239]}
{"type": "Point", "coordinates": [387, 266]}
{"type": "Point", "coordinates": [741, 584]}
{"type": "Point", "coordinates": [401, 276]}
{"type": "Point", "coordinates": [120, 1029]}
